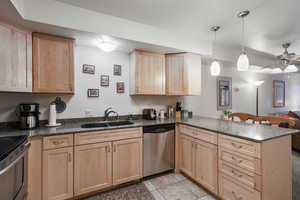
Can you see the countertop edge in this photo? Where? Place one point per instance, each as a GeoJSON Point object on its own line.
{"type": "Point", "coordinates": [153, 123]}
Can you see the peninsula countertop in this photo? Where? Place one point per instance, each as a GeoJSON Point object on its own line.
{"type": "Point", "coordinates": [253, 132]}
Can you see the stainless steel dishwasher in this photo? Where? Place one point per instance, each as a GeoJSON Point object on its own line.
{"type": "Point", "coordinates": [159, 149]}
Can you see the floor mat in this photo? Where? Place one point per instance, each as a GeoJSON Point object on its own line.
{"type": "Point", "coordinates": [133, 192]}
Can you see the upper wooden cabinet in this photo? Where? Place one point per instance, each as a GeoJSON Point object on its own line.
{"type": "Point", "coordinates": [147, 73]}
{"type": "Point", "coordinates": [53, 64]}
{"type": "Point", "coordinates": [183, 74]}
{"type": "Point", "coordinates": [16, 59]}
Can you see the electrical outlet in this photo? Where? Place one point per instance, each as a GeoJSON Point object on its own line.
{"type": "Point", "coordinates": [88, 113]}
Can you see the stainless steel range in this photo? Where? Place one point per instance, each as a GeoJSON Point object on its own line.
{"type": "Point", "coordinates": [13, 167]}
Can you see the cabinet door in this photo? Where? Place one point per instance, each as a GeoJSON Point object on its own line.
{"type": "Point", "coordinates": [206, 159]}
{"type": "Point", "coordinates": [186, 155]}
{"type": "Point", "coordinates": [192, 74]}
{"type": "Point", "coordinates": [127, 160]}
{"type": "Point", "coordinates": [53, 64]}
{"type": "Point", "coordinates": [175, 74]}
{"type": "Point", "coordinates": [16, 60]}
{"type": "Point", "coordinates": [58, 174]}
{"type": "Point", "coordinates": [93, 167]}
{"type": "Point", "coordinates": [150, 73]}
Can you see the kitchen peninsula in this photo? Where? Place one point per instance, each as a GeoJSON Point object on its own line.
{"type": "Point", "coordinates": [231, 160]}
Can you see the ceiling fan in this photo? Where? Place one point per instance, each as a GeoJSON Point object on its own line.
{"type": "Point", "coordinates": [288, 63]}
{"type": "Point", "coordinates": [289, 60]}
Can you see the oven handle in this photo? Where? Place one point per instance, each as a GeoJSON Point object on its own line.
{"type": "Point", "coordinates": [26, 147]}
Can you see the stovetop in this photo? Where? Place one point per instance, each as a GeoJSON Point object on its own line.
{"type": "Point", "coordinates": [9, 144]}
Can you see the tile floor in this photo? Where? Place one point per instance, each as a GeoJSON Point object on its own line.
{"type": "Point", "coordinates": [175, 187]}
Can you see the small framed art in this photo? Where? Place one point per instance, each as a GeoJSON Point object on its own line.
{"type": "Point", "coordinates": [88, 69]}
{"type": "Point", "coordinates": [104, 82]}
{"type": "Point", "coordinates": [120, 87]}
{"type": "Point", "coordinates": [117, 70]}
{"type": "Point", "coordinates": [93, 92]}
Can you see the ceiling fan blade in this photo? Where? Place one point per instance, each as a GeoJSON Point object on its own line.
{"type": "Point", "coordinates": [295, 62]}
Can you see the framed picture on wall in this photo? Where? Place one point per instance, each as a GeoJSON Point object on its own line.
{"type": "Point", "coordinates": [93, 92]}
{"type": "Point", "coordinates": [88, 69]}
{"type": "Point", "coordinates": [278, 93]}
{"type": "Point", "coordinates": [120, 87]}
{"type": "Point", "coordinates": [104, 80]}
{"type": "Point", "coordinates": [117, 70]}
{"type": "Point", "coordinates": [224, 93]}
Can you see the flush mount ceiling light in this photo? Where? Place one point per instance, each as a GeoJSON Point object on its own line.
{"type": "Point", "coordinates": [215, 67]}
{"type": "Point", "coordinates": [243, 61]}
{"type": "Point", "coordinates": [106, 46]}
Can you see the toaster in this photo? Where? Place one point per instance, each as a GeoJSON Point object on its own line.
{"type": "Point", "coordinates": [149, 114]}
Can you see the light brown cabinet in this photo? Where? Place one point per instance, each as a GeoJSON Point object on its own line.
{"type": "Point", "coordinates": [58, 174]}
{"type": "Point", "coordinates": [186, 155]}
{"type": "Point", "coordinates": [199, 159]}
{"type": "Point", "coordinates": [93, 167]}
{"type": "Point", "coordinates": [127, 160]}
{"type": "Point", "coordinates": [206, 165]}
{"type": "Point", "coordinates": [16, 59]}
{"type": "Point", "coordinates": [183, 74]}
{"type": "Point", "coordinates": [53, 64]}
{"type": "Point", "coordinates": [147, 73]}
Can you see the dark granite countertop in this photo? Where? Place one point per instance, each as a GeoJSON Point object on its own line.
{"type": "Point", "coordinates": [257, 133]}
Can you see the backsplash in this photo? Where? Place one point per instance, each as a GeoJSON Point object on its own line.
{"type": "Point", "coordinates": [80, 105]}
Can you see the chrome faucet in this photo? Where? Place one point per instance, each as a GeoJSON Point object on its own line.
{"type": "Point", "coordinates": [109, 111]}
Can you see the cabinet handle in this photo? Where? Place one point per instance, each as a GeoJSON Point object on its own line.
{"type": "Point", "coordinates": [239, 161]}
{"type": "Point", "coordinates": [69, 157]}
{"type": "Point", "coordinates": [236, 146]}
{"type": "Point", "coordinates": [238, 175]}
{"type": "Point", "coordinates": [236, 197]}
{"type": "Point", "coordinates": [55, 142]}
{"type": "Point", "coordinates": [107, 149]}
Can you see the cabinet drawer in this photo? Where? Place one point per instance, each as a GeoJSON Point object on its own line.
{"type": "Point", "coordinates": [239, 160]}
{"type": "Point", "coordinates": [107, 136]}
{"type": "Point", "coordinates": [247, 178]}
{"type": "Point", "coordinates": [198, 133]}
{"type": "Point", "coordinates": [58, 141]}
{"type": "Point", "coordinates": [239, 145]}
{"type": "Point", "coordinates": [230, 190]}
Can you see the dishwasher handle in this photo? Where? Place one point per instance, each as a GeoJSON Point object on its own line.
{"type": "Point", "coordinates": [159, 129]}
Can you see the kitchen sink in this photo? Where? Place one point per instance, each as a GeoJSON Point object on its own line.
{"type": "Point", "coordinates": [94, 125]}
{"type": "Point", "coordinates": [107, 124]}
{"type": "Point", "coordinates": [120, 123]}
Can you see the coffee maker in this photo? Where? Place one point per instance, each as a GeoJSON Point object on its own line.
{"type": "Point", "coordinates": [29, 115]}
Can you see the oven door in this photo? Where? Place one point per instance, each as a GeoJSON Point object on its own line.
{"type": "Point", "coordinates": [13, 177]}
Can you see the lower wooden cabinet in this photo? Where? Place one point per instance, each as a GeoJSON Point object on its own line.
{"type": "Point", "coordinates": [186, 161]}
{"type": "Point", "coordinates": [93, 167]}
{"type": "Point", "coordinates": [199, 160]}
{"type": "Point", "coordinates": [127, 160]}
{"type": "Point", "coordinates": [206, 165]}
{"type": "Point", "coordinates": [58, 174]}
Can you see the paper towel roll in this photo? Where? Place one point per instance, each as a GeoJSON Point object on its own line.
{"type": "Point", "coordinates": [52, 114]}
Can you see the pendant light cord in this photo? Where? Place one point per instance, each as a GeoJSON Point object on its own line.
{"type": "Point", "coordinates": [214, 44]}
{"type": "Point", "coordinates": [243, 34]}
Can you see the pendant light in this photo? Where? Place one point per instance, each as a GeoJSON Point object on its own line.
{"type": "Point", "coordinates": [215, 67]}
{"type": "Point", "coordinates": [243, 61]}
